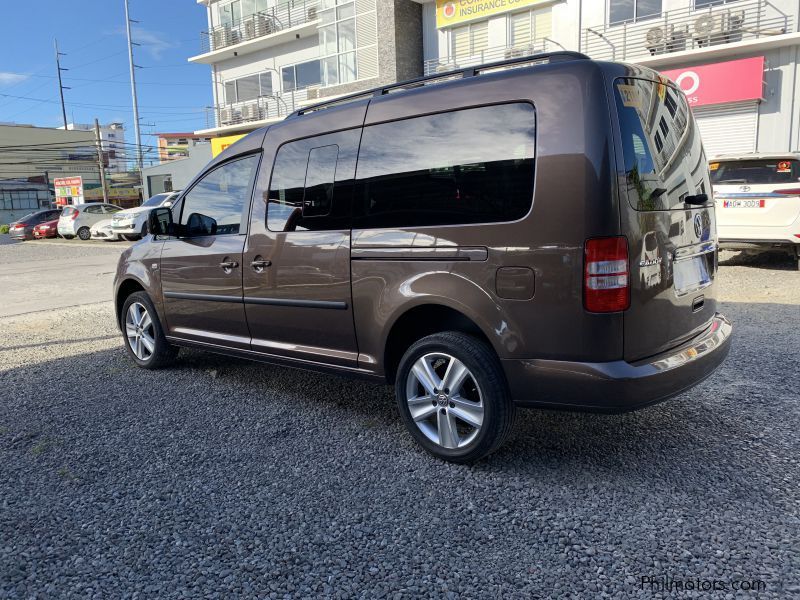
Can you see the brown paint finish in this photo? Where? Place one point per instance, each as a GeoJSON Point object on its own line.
{"type": "Point", "coordinates": [331, 298]}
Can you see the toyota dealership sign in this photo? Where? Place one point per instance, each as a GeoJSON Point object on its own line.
{"type": "Point", "coordinates": [721, 83]}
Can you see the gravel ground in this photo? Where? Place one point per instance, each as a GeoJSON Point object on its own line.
{"type": "Point", "coordinates": [221, 477]}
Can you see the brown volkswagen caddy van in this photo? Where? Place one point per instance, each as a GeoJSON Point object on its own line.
{"type": "Point", "coordinates": [536, 232]}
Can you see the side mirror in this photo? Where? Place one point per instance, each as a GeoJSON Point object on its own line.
{"type": "Point", "coordinates": [159, 221]}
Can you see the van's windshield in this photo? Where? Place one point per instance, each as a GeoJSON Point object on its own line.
{"type": "Point", "coordinates": [662, 151]}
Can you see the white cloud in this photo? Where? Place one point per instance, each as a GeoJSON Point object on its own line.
{"type": "Point", "coordinates": [152, 42]}
{"type": "Point", "coordinates": [8, 78]}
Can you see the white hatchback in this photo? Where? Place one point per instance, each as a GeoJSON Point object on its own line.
{"type": "Point", "coordinates": [757, 198]}
{"type": "Point", "coordinates": [79, 218]}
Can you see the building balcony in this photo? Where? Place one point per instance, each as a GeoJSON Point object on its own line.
{"type": "Point", "coordinates": [685, 30]}
{"type": "Point", "coordinates": [444, 64]}
{"type": "Point", "coordinates": [250, 115]}
{"type": "Point", "coordinates": [282, 23]}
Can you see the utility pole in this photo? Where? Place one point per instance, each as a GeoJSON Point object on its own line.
{"type": "Point", "coordinates": [99, 143]}
{"type": "Point", "coordinates": [61, 87]}
{"type": "Point", "coordinates": [133, 91]}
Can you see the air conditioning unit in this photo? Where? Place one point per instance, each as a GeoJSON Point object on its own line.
{"type": "Point", "coordinates": [251, 112]}
{"type": "Point", "coordinates": [677, 39]}
{"type": "Point", "coordinates": [226, 116]}
{"type": "Point", "coordinates": [707, 30]}
{"type": "Point", "coordinates": [250, 28]}
{"type": "Point", "coordinates": [656, 40]}
{"type": "Point", "coordinates": [221, 38]}
{"type": "Point", "coordinates": [514, 53]}
{"type": "Point", "coordinates": [734, 27]}
{"type": "Point", "coordinates": [268, 25]}
{"type": "Point", "coordinates": [312, 13]}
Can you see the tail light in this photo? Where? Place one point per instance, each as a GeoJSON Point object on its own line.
{"type": "Point", "coordinates": [789, 192]}
{"type": "Point", "coordinates": [74, 215]}
{"type": "Point", "coordinates": [606, 275]}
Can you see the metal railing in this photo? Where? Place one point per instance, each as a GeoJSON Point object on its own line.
{"type": "Point", "coordinates": [686, 29]}
{"type": "Point", "coordinates": [265, 107]}
{"type": "Point", "coordinates": [256, 25]}
{"type": "Point", "coordinates": [497, 53]}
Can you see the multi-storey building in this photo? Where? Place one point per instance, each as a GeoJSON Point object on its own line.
{"type": "Point", "coordinates": [112, 141]}
{"type": "Point", "coordinates": [270, 57]}
{"type": "Point", "coordinates": [736, 60]}
{"type": "Point", "coordinates": [172, 146]}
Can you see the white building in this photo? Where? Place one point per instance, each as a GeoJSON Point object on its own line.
{"type": "Point", "coordinates": [270, 57]}
{"type": "Point", "coordinates": [736, 59]}
{"type": "Point", "coordinates": [112, 141]}
{"type": "Point", "coordinates": [740, 106]}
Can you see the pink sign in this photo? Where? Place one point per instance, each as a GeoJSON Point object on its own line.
{"type": "Point", "coordinates": [719, 83]}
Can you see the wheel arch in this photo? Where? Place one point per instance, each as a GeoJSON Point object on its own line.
{"type": "Point", "coordinates": [420, 321]}
{"type": "Point", "coordinates": [126, 288]}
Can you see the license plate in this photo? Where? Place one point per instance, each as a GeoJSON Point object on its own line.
{"type": "Point", "coordinates": [743, 203]}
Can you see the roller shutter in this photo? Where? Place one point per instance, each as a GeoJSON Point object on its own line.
{"type": "Point", "coordinates": [728, 129]}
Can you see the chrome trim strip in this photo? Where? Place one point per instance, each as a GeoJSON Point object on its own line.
{"type": "Point", "coordinates": [420, 254]}
{"type": "Point", "coordinates": [737, 195]}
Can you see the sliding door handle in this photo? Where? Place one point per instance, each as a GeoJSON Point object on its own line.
{"type": "Point", "coordinates": [259, 264]}
{"type": "Point", "coordinates": [228, 265]}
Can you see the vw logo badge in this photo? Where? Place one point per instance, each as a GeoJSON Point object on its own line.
{"type": "Point", "coordinates": [698, 226]}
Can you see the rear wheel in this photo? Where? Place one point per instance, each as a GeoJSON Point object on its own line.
{"type": "Point", "coordinates": [144, 337]}
{"type": "Point", "coordinates": [453, 397]}
{"type": "Point", "coordinates": [84, 233]}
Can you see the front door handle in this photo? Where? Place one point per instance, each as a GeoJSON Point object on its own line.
{"type": "Point", "coordinates": [259, 264]}
{"type": "Point", "coordinates": [228, 265]}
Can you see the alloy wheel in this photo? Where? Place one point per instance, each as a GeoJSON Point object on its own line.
{"type": "Point", "coordinates": [444, 400]}
{"type": "Point", "coordinates": [140, 331]}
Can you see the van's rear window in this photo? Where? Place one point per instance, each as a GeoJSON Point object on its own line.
{"type": "Point", "coordinates": [661, 147]}
{"type": "Point", "coordinates": [755, 171]}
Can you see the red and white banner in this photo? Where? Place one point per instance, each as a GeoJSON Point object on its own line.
{"type": "Point", "coordinates": [720, 83]}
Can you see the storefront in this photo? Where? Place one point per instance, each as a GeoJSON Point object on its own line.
{"type": "Point", "coordinates": [725, 99]}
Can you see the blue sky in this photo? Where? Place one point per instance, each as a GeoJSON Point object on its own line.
{"type": "Point", "coordinates": [172, 92]}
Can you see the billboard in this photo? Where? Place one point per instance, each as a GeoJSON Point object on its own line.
{"type": "Point", "coordinates": [720, 83]}
{"type": "Point", "coordinates": [219, 144]}
{"type": "Point", "coordinates": [453, 12]}
{"type": "Point", "coordinates": [69, 190]}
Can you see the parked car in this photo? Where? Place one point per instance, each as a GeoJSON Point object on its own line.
{"type": "Point", "coordinates": [758, 202]}
{"type": "Point", "coordinates": [48, 229]}
{"type": "Point", "coordinates": [79, 218]}
{"type": "Point", "coordinates": [476, 243]}
{"type": "Point", "coordinates": [23, 229]}
{"type": "Point", "coordinates": [132, 222]}
{"type": "Point", "coordinates": [102, 230]}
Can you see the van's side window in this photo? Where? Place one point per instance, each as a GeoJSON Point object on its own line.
{"type": "Point", "coordinates": [467, 166]}
{"type": "Point", "coordinates": [301, 193]}
{"type": "Point", "coordinates": [214, 204]}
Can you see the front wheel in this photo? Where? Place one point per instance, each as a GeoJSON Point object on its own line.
{"type": "Point", "coordinates": [144, 337]}
{"type": "Point", "coordinates": [453, 397]}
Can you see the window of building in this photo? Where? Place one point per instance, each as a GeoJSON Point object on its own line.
{"type": "Point", "coordinates": [530, 26]}
{"type": "Point", "coordinates": [337, 35]}
{"type": "Point", "coordinates": [662, 124]}
{"type": "Point", "coordinates": [466, 166]}
{"type": "Point", "coordinates": [302, 186]}
{"type": "Point", "coordinates": [19, 200]}
{"type": "Point", "coordinates": [214, 205]}
{"type": "Point", "coordinates": [670, 103]}
{"type": "Point", "coordinates": [470, 40]}
{"type": "Point", "coordinates": [246, 89]}
{"type": "Point", "coordinates": [620, 11]}
{"type": "Point", "coordinates": [232, 13]}
{"type": "Point", "coordinates": [301, 75]}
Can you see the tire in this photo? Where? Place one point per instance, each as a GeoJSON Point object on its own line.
{"type": "Point", "coordinates": [466, 423]}
{"type": "Point", "coordinates": [84, 234]}
{"type": "Point", "coordinates": [142, 333]}
{"type": "Point", "coordinates": [130, 237]}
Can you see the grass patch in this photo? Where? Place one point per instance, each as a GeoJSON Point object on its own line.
{"type": "Point", "coordinates": [4, 228]}
{"type": "Point", "coordinates": [65, 473]}
{"type": "Point", "coordinates": [40, 447]}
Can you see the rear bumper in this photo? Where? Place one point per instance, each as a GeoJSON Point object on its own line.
{"type": "Point", "coordinates": [619, 386]}
{"type": "Point", "coordinates": [758, 244]}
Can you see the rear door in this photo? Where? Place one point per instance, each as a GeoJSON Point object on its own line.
{"type": "Point", "coordinates": [755, 193]}
{"type": "Point", "coordinates": [297, 259]}
{"type": "Point", "coordinates": [201, 269]}
{"type": "Point", "coordinates": [672, 244]}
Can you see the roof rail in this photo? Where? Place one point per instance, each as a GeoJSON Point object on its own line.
{"type": "Point", "coordinates": [559, 56]}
